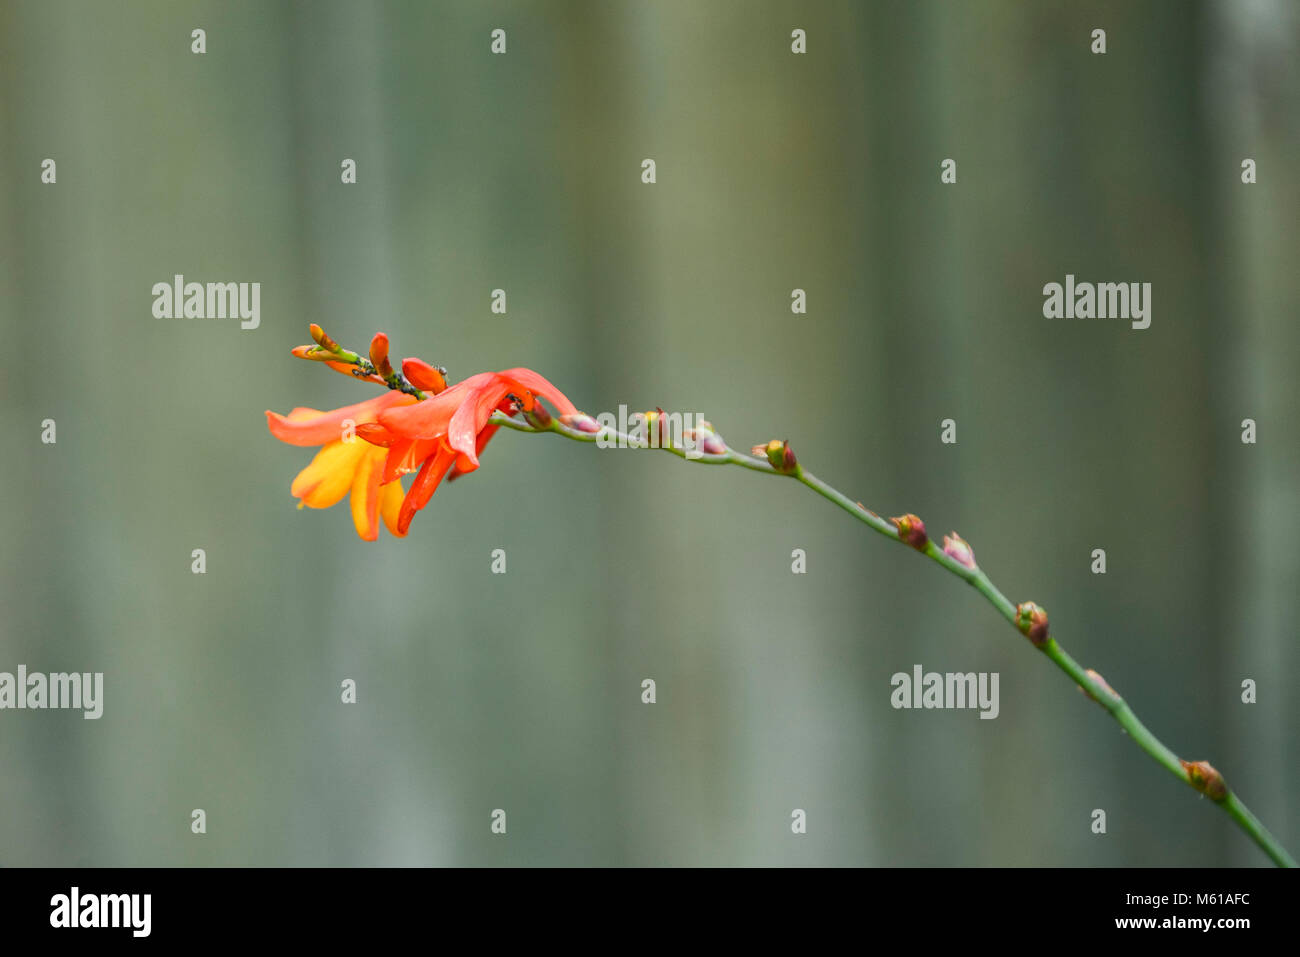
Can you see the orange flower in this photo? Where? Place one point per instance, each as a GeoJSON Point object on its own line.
{"type": "Point", "coordinates": [450, 428]}
{"type": "Point", "coordinates": [344, 465]}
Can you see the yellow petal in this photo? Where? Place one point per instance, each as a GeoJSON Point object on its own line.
{"type": "Point", "coordinates": [329, 476]}
{"type": "Point", "coordinates": [390, 505]}
{"type": "Point", "coordinates": [365, 493]}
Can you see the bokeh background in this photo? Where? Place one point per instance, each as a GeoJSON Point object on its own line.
{"type": "Point", "coordinates": [775, 171]}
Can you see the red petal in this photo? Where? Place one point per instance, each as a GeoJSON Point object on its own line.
{"type": "Point", "coordinates": [539, 384]}
{"type": "Point", "coordinates": [406, 455]}
{"type": "Point", "coordinates": [425, 484]}
{"type": "Point", "coordinates": [375, 434]}
{"type": "Point", "coordinates": [328, 426]}
{"type": "Point", "coordinates": [428, 419]}
{"type": "Point", "coordinates": [484, 438]}
{"type": "Point", "coordinates": [473, 415]}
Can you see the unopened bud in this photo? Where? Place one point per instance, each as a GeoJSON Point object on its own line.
{"type": "Point", "coordinates": [1101, 683]}
{"type": "Point", "coordinates": [321, 339]}
{"type": "Point", "coordinates": [656, 431]}
{"type": "Point", "coordinates": [911, 530]}
{"type": "Point", "coordinates": [705, 439]}
{"type": "Point", "coordinates": [424, 376]}
{"type": "Point", "coordinates": [581, 422]}
{"type": "Point", "coordinates": [1032, 620]}
{"type": "Point", "coordinates": [1202, 776]}
{"type": "Point", "coordinates": [956, 548]}
{"type": "Point", "coordinates": [379, 355]}
{"type": "Point", "coordinates": [345, 366]}
{"type": "Point", "coordinates": [315, 353]}
{"type": "Point", "coordinates": [778, 454]}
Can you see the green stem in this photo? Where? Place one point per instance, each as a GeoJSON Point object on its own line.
{"type": "Point", "coordinates": [1090, 682]}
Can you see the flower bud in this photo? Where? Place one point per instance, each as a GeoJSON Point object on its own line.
{"type": "Point", "coordinates": [713, 444]}
{"type": "Point", "coordinates": [580, 422]}
{"type": "Point", "coordinates": [778, 454]}
{"type": "Point", "coordinates": [956, 548]}
{"type": "Point", "coordinates": [911, 530]}
{"type": "Point", "coordinates": [705, 439]}
{"type": "Point", "coordinates": [1032, 620]}
{"type": "Point", "coordinates": [1202, 776]}
{"type": "Point", "coordinates": [347, 368]}
{"type": "Point", "coordinates": [710, 441]}
{"type": "Point", "coordinates": [656, 429]}
{"type": "Point", "coordinates": [379, 355]}
{"type": "Point", "coordinates": [321, 339]}
{"type": "Point", "coordinates": [315, 353]}
{"type": "Point", "coordinates": [1101, 682]}
{"type": "Point", "coordinates": [424, 376]}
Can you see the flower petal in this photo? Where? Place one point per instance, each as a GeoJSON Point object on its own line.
{"type": "Point", "coordinates": [473, 415]}
{"type": "Point", "coordinates": [540, 385]}
{"type": "Point", "coordinates": [328, 478]}
{"type": "Point", "coordinates": [390, 507]}
{"type": "Point", "coordinates": [309, 427]}
{"type": "Point", "coordinates": [365, 494]}
{"type": "Point", "coordinates": [463, 465]}
{"type": "Point", "coordinates": [407, 455]}
{"type": "Point", "coordinates": [428, 419]}
{"type": "Point", "coordinates": [375, 434]}
{"type": "Point", "coordinates": [425, 484]}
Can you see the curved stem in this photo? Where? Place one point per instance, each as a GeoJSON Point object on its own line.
{"type": "Point", "coordinates": [1197, 775]}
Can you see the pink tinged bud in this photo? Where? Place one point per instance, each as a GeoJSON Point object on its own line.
{"type": "Point", "coordinates": [713, 445]}
{"type": "Point", "coordinates": [956, 548]}
{"type": "Point", "coordinates": [1101, 683]}
{"type": "Point", "coordinates": [581, 422]}
{"type": "Point", "coordinates": [1032, 620]}
{"type": "Point", "coordinates": [705, 439]}
{"type": "Point", "coordinates": [911, 530]}
{"type": "Point", "coordinates": [1202, 776]}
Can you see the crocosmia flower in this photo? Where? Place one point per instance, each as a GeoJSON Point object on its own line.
{"type": "Point", "coordinates": [421, 425]}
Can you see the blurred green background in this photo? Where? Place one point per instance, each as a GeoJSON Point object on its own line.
{"type": "Point", "coordinates": [775, 171]}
